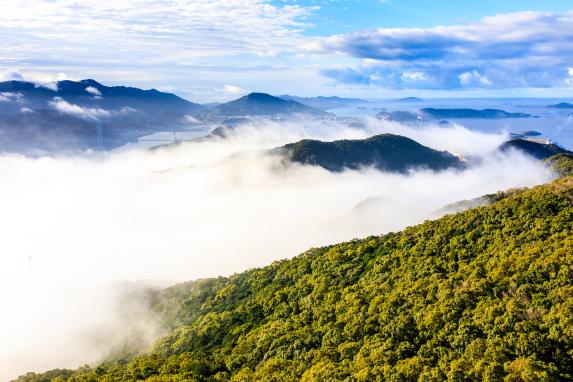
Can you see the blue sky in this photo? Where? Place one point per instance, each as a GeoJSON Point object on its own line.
{"type": "Point", "coordinates": [215, 50]}
{"type": "Point", "coordinates": [339, 16]}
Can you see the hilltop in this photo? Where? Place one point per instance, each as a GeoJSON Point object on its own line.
{"type": "Point", "coordinates": [387, 152]}
{"type": "Point", "coordinates": [262, 104]}
{"type": "Point", "coordinates": [535, 149]}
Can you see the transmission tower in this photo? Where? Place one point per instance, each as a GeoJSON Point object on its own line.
{"type": "Point", "coordinates": [99, 136]}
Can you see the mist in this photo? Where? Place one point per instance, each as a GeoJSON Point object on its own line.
{"type": "Point", "coordinates": [79, 232]}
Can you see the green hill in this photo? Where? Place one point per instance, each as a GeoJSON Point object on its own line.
{"type": "Point", "coordinates": [482, 295]}
{"type": "Point", "coordinates": [562, 164]}
{"type": "Point", "coordinates": [387, 152]}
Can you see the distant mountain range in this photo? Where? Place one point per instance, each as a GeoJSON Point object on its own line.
{"type": "Point", "coordinates": [562, 105]}
{"type": "Point", "coordinates": [429, 114]}
{"type": "Point", "coordinates": [472, 113]}
{"type": "Point", "coordinates": [324, 103]}
{"type": "Point", "coordinates": [262, 104]}
{"type": "Point", "coordinates": [90, 93]}
{"type": "Point", "coordinates": [386, 152]}
{"type": "Point", "coordinates": [65, 115]}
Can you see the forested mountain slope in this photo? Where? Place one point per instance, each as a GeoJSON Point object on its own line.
{"type": "Point", "coordinates": [482, 295]}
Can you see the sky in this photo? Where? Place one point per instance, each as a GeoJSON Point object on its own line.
{"type": "Point", "coordinates": [216, 50]}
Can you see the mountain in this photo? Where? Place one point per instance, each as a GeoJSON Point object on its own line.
{"type": "Point", "coordinates": [386, 152]}
{"type": "Point", "coordinates": [65, 115]}
{"type": "Point", "coordinates": [409, 99]}
{"type": "Point", "coordinates": [90, 93]}
{"type": "Point", "coordinates": [261, 104]}
{"type": "Point", "coordinates": [562, 105]}
{"type": "Point", "coordinates": [472, 113]}
{"type": "Point", "coordinates": [324, 103]}
{"type": "Point", "coordinates": [482, 295]}
{"type": "Point", "coordinates": [536, 149]}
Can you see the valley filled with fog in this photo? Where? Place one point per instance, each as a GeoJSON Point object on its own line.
{"type": "Point", "coordinates": [85, 229]}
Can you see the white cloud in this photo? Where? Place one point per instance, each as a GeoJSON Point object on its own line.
{"type": "Point", "coordinates": [231, 89]}
{"type": "Point", "coordinates": [413, 76]}
{"type": "Point", "coordinates": [158, 31]}
{"type": "Point", "coordinates": [65, 107]}
{"type": "Point", "coordinates": [13, 75]}
{"type": "Point", "coordinates": [473, 77]}
{"type": "Point", "coordinates": [88, 113]}
{"type": "Point", "coordinates": [43, 81]}
{"type": "Point", "coordinates": [569, 81]}
{"type": "Point", "coordinates": [93, 91]}
{"type": "Point", "coordinates": [514, 50]}
{"type": "Point", "coordinates": [10, 97]}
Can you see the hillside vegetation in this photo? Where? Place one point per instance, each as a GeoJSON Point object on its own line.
{"type": "Point", "coordinates": [562, 164]}
{"type": "Point", "coordinates": [482, 295]}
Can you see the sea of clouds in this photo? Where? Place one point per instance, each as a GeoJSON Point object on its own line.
{"type": "Point", "coordinates": [81, 231]}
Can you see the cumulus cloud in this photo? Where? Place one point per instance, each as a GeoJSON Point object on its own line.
{"type": "Point", "coordinates": [194, 211]}
{"type": "Point", "coordinates": [525, 49]}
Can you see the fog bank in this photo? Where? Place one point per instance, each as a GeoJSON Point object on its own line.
{"type": "Point", "coordinates": [75, 226]}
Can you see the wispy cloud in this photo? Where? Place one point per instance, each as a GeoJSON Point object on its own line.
{"type": "Point", "coordinates": [87, 113]}
{"type": "Point", "coordinates": [10, 97]}
{"type": "Point", "coordinates": [515, 50]}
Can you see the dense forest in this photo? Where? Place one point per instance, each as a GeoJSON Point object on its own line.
{"type": "Point", "coordinates": [481, 295]}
